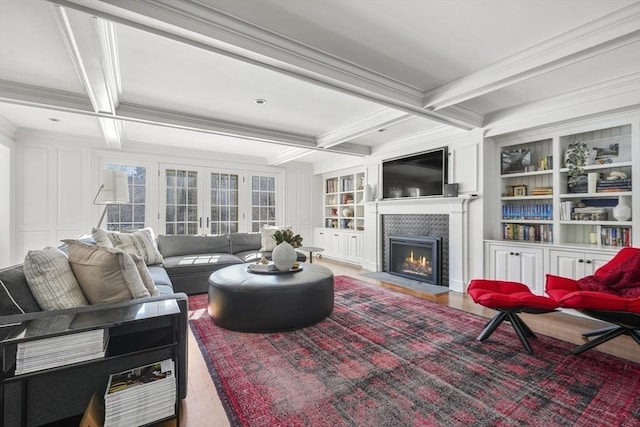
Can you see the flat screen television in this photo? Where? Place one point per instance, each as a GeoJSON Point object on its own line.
{"type": "Point", "coordinates": [419, 175]}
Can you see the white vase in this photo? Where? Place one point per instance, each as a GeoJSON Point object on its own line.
{"type": "Point", "coordinates": [368, 193]}
{"type": "Point", "coordinates": [284, 256]}
{"type": "Point", "coordinates": [622, 212]}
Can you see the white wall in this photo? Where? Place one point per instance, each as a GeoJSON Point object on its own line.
{"type": "Point", "coordinates": [57, 176]}
{"type": "Point", "coordinates": [7, 194]}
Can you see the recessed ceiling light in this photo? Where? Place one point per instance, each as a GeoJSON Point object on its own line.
{"type": "Point", "coordinates": [382, 130]}
{"type": "Point", "coordinates": [260, 101]}
{"type": "Point", "coordinates": [53, 119]}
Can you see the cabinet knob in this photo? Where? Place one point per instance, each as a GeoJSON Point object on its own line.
{"type": "Point", "coordinates": [580, 260]}
{"type": "Point", "coordinates": [588, 261]}
{"type": "Point", "coordinates": [511, 253]}
{"type": "Point", "coordinates": [517, 253]}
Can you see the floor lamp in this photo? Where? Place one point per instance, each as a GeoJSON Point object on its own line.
{"type": "Point", "coordinates": [114, 190]}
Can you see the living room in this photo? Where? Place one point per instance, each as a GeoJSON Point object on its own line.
{"type": "Point", "coordinates": [302, 94]}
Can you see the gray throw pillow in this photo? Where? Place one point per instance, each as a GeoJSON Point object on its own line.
{"type": "Point", "coordinates": [51, 280]}
{"type": "Point", "coordinates": [105, 274]}
{"type": "Point", "coordinates": [139, 242]}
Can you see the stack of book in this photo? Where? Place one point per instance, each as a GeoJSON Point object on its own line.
{"type": "Point", "coordinates": [542, 191]}
{"type": "Point", "coordinates": [262, 268]}
{"type": "Point", "coordinates": [141, 395]}
{"type": "Point", "coordinates": [62, 350]}
{"type": "Point", "coordinates": [613, 186]}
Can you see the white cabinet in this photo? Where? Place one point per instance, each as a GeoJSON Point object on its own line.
{"type": "Point", "coordinates": [576, 264]}
{"type": "Point", "coordinates": [353, 246]}
{"type": "Point", "coordinates": [517, 264]}
{"type": "Point", "coordinates": [341, 245]}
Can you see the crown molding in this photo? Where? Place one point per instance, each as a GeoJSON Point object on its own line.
{"type": "Point", "coordinates": [39, 96]}
{"type": "Point", "coordinates": [610, 32]}
{"type": "Point", "coordinates": [613, 94]}
{"type": "Point", "coordinates": [200, 25]}
{"type": "Point", "coordinates": [7, 127]}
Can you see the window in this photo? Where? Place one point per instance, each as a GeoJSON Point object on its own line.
{"type": "Point", "coordinates": [263, 201]}
{"type": "Point", "coordinates": [129, 216]}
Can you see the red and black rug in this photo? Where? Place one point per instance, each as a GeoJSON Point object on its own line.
{"type": "Point", "coordinates": [388, 359]}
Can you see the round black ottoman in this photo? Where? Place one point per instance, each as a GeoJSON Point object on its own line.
{"type": "Point", "coordinates": [249, 302]}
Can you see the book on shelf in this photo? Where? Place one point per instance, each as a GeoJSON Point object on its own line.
{"type": "Point", "coordinates": [141, 395]}
{"type": "Point", "coordinates": [61, 350]}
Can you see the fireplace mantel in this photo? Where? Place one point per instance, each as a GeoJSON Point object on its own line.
{"type": "Point", "coordinates": [454, 207]}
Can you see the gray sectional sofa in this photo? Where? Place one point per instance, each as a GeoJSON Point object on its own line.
{"type": "Point", "coordinates": [188, 263]}
{"type": "Point", "coordinates": [190, 260]}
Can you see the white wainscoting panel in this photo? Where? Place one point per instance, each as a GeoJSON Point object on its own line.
{"type": "Point", "coordinates": [69, 189]}
{"type": "Point", "coordinates": [35, 180]}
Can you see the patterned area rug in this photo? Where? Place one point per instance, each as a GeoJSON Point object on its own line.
{"type": "Point", "coordinates": [388, 359]}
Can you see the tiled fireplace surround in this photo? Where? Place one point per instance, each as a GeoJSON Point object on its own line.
{"type": "Point", "coordinates": [441, 217]}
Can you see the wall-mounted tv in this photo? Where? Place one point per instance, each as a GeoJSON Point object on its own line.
{"type": "Point", "coordinates": [419, 175]}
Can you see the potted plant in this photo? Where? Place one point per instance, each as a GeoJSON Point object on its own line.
{"type": "Point", "coordinates": [575, 159]}
{"type": "Point", "coordinates": [287, 235]}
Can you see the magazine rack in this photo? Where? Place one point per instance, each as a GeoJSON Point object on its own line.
{"type": "Point", "coordinates": [138, 335]}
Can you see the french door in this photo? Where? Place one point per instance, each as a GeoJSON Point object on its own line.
{"type": "Point", "coordinates": [199, 200]}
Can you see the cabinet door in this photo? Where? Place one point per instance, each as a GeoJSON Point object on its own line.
{"type": "Point", "coordinates": [597, 261]}
{"type": "Point", "coordinates": [334, 244]}
{"type": "Point", "coordinates": [320, 239]}
{"type": "Point", "coordinates": [517, 264]}
{"type": "Point", "coordinates": [530, 266]}
{"type": "Point", "coordinates": [567, 264]}
{"type": "Point", "coordinates": [353, 246]}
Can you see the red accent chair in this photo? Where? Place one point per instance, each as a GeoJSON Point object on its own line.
{"type": "Point", "coordinates": [623, 313]}
{"type": "Point", "coordinates": [509, 299]}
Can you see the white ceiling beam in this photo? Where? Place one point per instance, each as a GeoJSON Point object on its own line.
{"type": "Point", "coordinates": [289, 155]}
{"type": "Point", "coordinates": [199, 25]}
{"type": "Point", "coordinates": [371, 123]}
{"type": "Point", "coordinates": [53, 99]}
{"type": "Point", "coordinates": [92, 46]}
{"type": "Point", "coordinates": [610, 32]}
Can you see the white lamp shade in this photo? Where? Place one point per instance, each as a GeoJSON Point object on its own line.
{"type": "Point", "coordinates": [115, 187]}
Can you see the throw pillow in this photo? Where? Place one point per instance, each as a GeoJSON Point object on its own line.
{"type": "Point", "coordinates": [268, 242]}
{"type": "Point", "coordinates": [139, 242]}
{"type": "Point", "coordinates": [145, 275]}
{"type": "Point", "coordinates": [51, 280]}
{"type": "Point", "coordinates": [105, 274]}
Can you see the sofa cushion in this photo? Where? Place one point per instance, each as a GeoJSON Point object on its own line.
{"type": "Point", "coordinates": [175, 245]}
{"type": "Point", "coordinates": [161, 279]}
{"type": "Point", "coordinates": [105, 274]}
{"type": "Point", "coordinates": [15, 295]}
{"type": "Point", "coordinates": [192, 264]}
{"type": "Point", "coordinates": [241, 242]}
{"type": "Point", "coordinates": [51, 280]}
{"type": "Point", "coordinates": [145, 275]}
{"type": "Point", "coordinates": [139, 242]}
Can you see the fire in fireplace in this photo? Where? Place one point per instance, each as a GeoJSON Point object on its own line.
{"type": "Point", "coordinates": [415, 257]}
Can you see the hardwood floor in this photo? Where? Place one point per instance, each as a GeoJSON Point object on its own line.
{"type": "Point", "coordinates": [203, 407]}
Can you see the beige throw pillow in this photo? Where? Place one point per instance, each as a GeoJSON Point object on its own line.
{"type": "Point", "coordinates": [267, 240]}
{"type": "Point", "coordinates": [105, 274]}
{"type": "Point", "coordinates": [145, 275]}
{"type": "Point", "coordinates": [139, 242]}
{"type": "Point", "coordinates": [51, 280]}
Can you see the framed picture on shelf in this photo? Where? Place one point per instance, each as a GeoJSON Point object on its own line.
{"type": "Point", "coordinates": [604, 152]}
{"type": "Point", "coordinates": [515, 161]}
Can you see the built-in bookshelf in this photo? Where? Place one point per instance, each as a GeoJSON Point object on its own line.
{"type": "Point", "coordinates": [343, 201]}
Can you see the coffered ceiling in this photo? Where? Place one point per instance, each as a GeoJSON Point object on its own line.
{"type": "Point", "coordinates": [187, 74]}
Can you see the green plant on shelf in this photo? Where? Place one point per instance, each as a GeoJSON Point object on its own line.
{"type": "Point", "coordinates": [287, 235]}
{"type": "Point", "coordinates": [575, 159]}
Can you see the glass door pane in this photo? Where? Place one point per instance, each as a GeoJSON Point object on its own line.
{"type": "Point", "coordinates": [181, 201]}
{"type": "Point", "coordinates": [263, 201]}
{"type": "Point", "coordinates": [224, 203]}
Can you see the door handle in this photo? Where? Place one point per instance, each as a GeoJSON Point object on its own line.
{"type": "Point", "coordinates": [200, 222]}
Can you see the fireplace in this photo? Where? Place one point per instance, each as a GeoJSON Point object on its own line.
{"type": "Point", "coordinates": [415, 257]}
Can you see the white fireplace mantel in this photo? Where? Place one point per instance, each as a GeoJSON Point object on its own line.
{"type": "Point", "coordinates": [455, 207]}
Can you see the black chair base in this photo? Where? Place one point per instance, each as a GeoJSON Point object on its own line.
{"type": "Point", "coordinates": [522, 329]}
{"type": "Point", "coordinates": [606, 334]}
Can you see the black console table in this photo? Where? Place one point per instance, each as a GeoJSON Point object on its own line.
{"type": "Point", "coordinates": [138, 335]}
